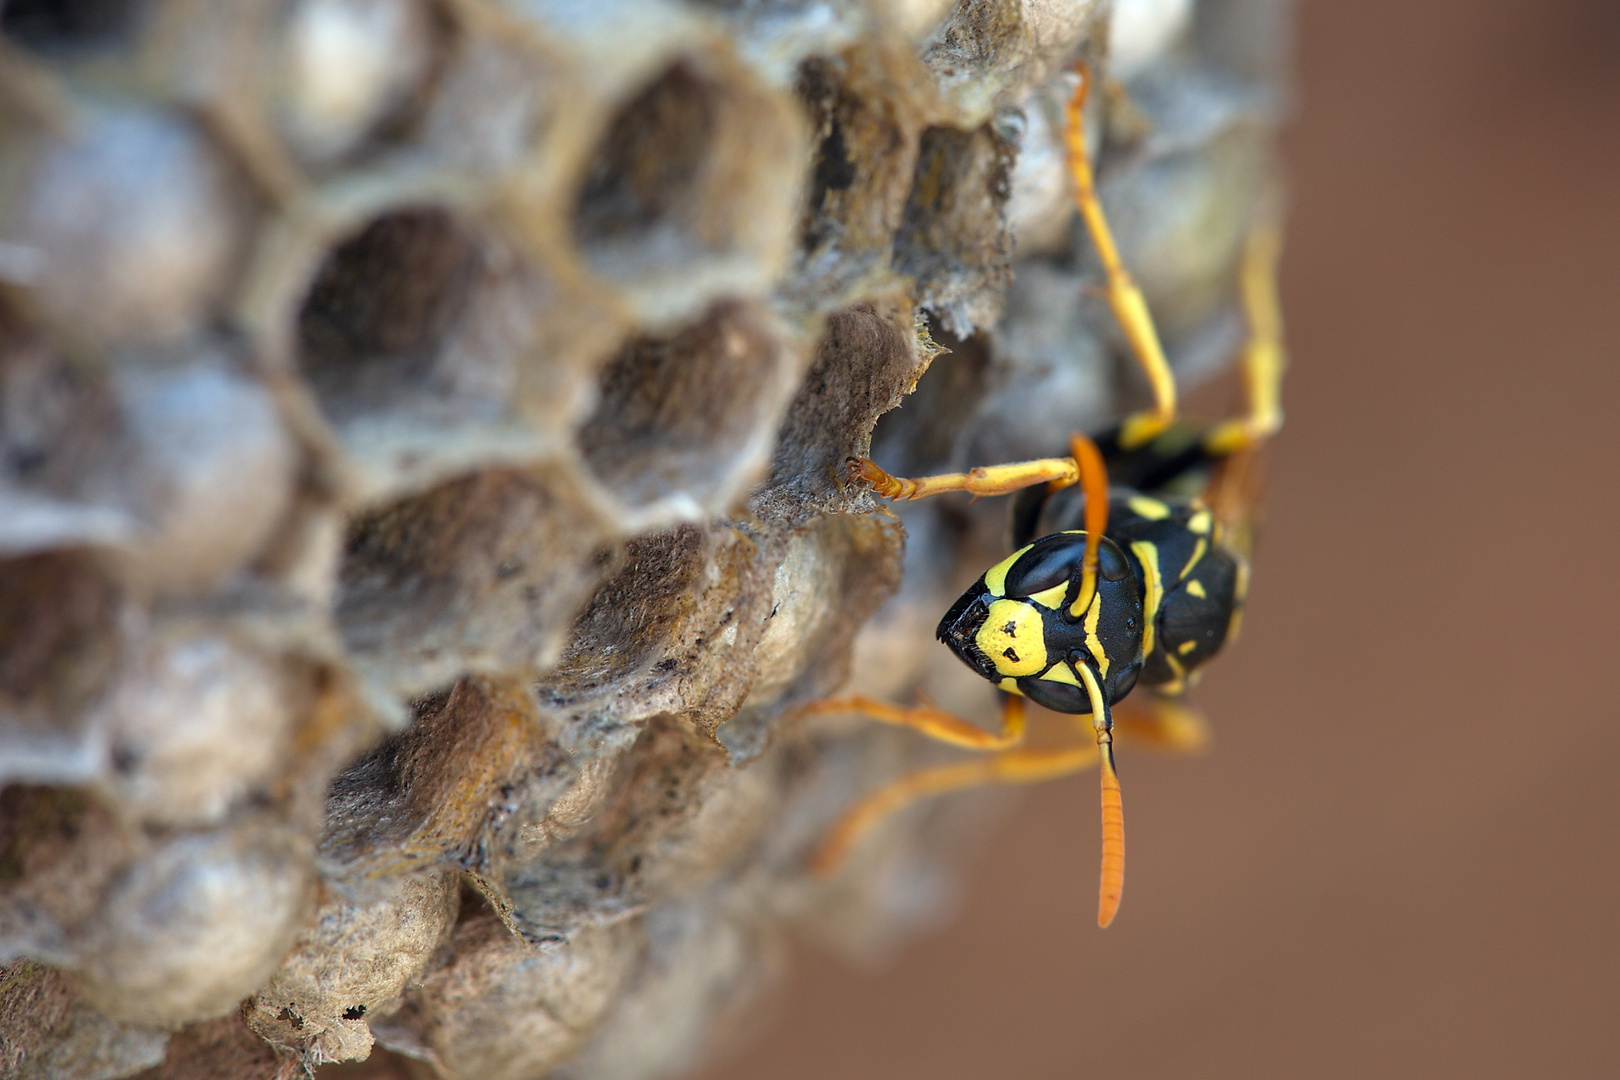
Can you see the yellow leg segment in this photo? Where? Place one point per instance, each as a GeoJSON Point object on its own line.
{"type": "Point", "coordinates": [935, 723]}
{"type": "Point", "coordinates": [1124, 297]}
{"type": "Point", "coordinates": [1084, 466]}
{"type": "Point", "coordinates": [1008, 767]}
{"type": "Point", "coordinates": [1264, 359]}
{"type": "Point", "coordinates": [1164, 723]}
{"type": "Point", "coordinates": [1167, 723]}
{"type": "Point", "coordinates": [985, 480]}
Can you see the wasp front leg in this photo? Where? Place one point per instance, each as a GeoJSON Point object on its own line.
{"type": "Point", "coordinates": [984, 480]}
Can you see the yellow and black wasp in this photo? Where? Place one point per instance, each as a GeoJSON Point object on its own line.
{"type": "Point", "coordinates": [1109, 588]}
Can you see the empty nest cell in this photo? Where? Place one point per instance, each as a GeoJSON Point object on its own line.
{"type": "Point", "coordinates": [692, 183]}
{"type": "Point", "coordinates": [476, 766]}
{"type": "Point", "coordinates": [382, 306]}
{"type": "Point", "coordinates": [683, 421]}
{"type": "Point", "coordinates": [482, 572]}
{"type": "Point", "coordinates": [649, 169]}
{"type": "Point", "coordinates": [954, 238]}
{"type": "Point", "coordinates": [64, 453]}
{"type": "Point", "coordinates": [59, 642]}
{"type": "Point", "coordinates": [869, 357]}
{"type": "Point", "coordinates": [866, 147]}
{"type": "Point", "coordinates": [433, 347]}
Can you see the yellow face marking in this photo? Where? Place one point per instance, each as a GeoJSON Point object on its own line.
{"type": "Point", "coordinates": [1241, 589]}
{"type": "Point", "coordinates": [1093, 642]}
{"type": "Point", "coordinates": [1014, 638]}
{"type": "Point", "coordinates": [1152, 509]}
{"type": "Point", "coordinates": [1200, 522]}
{"type": "Point", "coordinates": [1196, 587]}
{"type": "Point", "coordinates": [1061, 673]}
{"type": "Point", "coordinates": [1011, 686]}
{"type": "Point", "coordinates": [1148, 554]}
{"type": "Point", "coordinates": [1186, 647]}
{"type": "Point", "coordinates": [995, 578]}
{"type": "Point", "coordinates": [1051, 598]}
{"type": "Point", "coordinates": [1234, 624]}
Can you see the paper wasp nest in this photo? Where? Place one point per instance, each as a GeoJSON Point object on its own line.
{"type": "Point", "coordinates": [421, 431]}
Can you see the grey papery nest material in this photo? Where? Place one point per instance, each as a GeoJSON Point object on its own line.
{"type": "Point", "coordinates": [421, 508]}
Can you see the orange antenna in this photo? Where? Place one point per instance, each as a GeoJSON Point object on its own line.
{"type": "Point", "coordinates": [1094, 478]}
{"type": "Point", "coordinates": [1112, 883]}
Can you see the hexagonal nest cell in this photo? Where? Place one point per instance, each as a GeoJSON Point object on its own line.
{"type": "Point", "coordinates": [424, 503]}
{"type": "Point", "coordinates": [483, 572]}
{"type": "Point", "coordinates": [686, 419]}
{"type": "Point", "coordinates": [650, 168]}
{"type": "Point", "coordinates": [953, 238]}
{"type": "Point", "coordinates": [432, 346]}
{"type": "Point", "coordinates": [380, 310]}
{"type": "Point", "coordinates": [700, 166]}
{"type": "Point", "coordinates": [59, 639]}
{"type": "Point", "coordinates": [864, 157]}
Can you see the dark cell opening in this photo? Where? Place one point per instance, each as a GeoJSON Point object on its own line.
{"type": "Point", "coordinates": [671, 408]}
{"type": "Point", "coordinates": [58, 636]}
{"type": "Point", "coordinates": [54, 27]}
{"type": "Point", "coordinates": [649, 168]}
{"type": "Point", "coordinates": [381, 305]}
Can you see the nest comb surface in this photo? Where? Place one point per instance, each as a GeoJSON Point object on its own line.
{"type": "Point", "coordinates": [420, 514]}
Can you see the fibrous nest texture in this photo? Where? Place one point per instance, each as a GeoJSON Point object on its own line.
{"type": "Point", "coordinates": [422, 507]}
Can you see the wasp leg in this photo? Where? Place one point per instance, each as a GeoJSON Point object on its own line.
{"type": "Point", "coordinates": [935, 723]}
{"type": "Point", "coordinates": [984, 480]}
{"type": "Point", "coordinates": [1162, 722]}
{"type": "Point", "coordinates": [1009, 767]}
{"type": "Point", "coordinates": [1085, 465]}
{"type": "Point", "coordinates": [1263, 360]}
{"type": "Point", "coordinates": [1124, 297]}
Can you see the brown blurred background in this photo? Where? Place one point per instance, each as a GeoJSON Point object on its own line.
{"type": "Point", "coordinates": [1401, 858]}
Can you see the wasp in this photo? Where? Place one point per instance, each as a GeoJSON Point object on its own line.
{"type": "Point", "coordinates": [1111, 589]}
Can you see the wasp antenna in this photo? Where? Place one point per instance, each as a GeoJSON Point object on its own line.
{"type": "Point", "coordinates": [1094, 480]}
{"type": "Point", "coordinates": [1112, 883]}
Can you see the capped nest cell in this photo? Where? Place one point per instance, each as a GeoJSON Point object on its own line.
{"type": "Point", "coordinates": [424, 511]}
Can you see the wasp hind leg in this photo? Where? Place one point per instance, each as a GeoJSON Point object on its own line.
{"type": "Point", "coordinates": [1161, 721]}
{"type": "Point", "coordinates": [1235, 445]}
{"type": "Point", "coordinates": [1023, 766]}
{"type": "Point", "coordinates": [936, 724]}
{"type": "Point", "coordinates": [1263, 359]}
